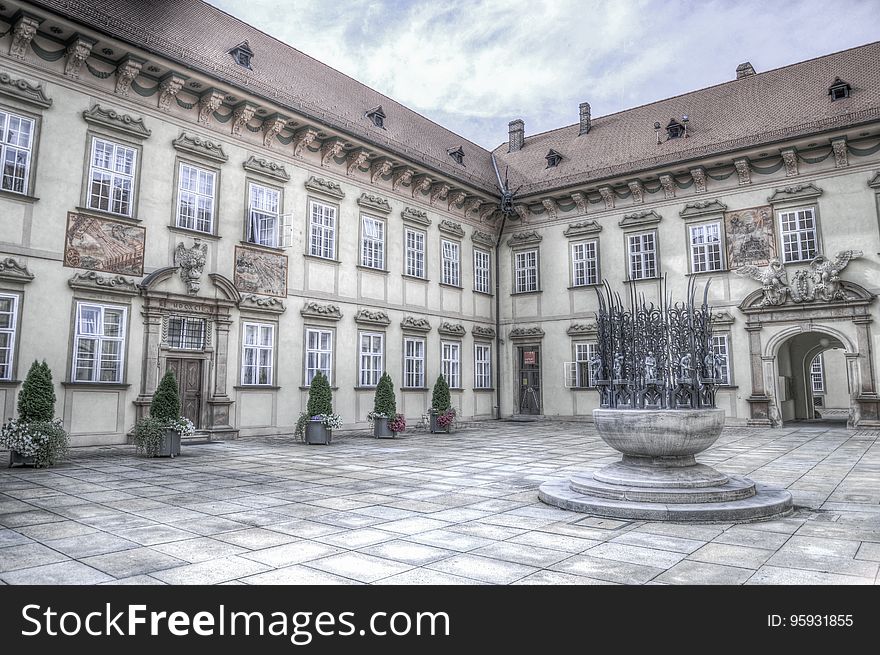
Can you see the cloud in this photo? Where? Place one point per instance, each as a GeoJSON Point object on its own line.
{"type": "Point", "coordinates": [474, 65]}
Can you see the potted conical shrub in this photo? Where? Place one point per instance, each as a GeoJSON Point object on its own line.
{"type": "Point", "coordinates": [158, 435]}
{"type": "Point", "coordinates": [319, 419]}
{"type": "Point", "coordinates": [36, 437]}
{"type": "Point", "coordinates": [442, 414]}
{"type": "Point", "coordinates": [384, 409]}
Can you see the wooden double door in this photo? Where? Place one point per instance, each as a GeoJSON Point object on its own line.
{"type": "Point", "coordinates": [188, 373]}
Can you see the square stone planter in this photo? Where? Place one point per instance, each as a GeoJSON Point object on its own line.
{"type": "Point", "coordinates": [318, 433]}
{"type": "Point", "coordinates": [16, 458]}
{"type": "Point", "coordinates": [435, 428]}
{"type": "Point", "coordinates": [170, 446]}
{"type": "Point", "coordinates": [381, 429]}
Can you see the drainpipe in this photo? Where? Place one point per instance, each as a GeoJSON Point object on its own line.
{"type": "Point", "coordinates": [502, 187]}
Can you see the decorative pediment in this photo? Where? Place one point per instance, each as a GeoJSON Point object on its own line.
{"type": "Point", "coordinates": [722, 318]}
{"type": "Point", "coordinates": [372, 317]}
{"type": "Point", "coordinates": [483, 238]}
{"type": "Point", "coordinates": [452, 329]}
{"type": "Point", "coordinates": [115, 120]}
{"type": "Point", "coordinates": [266, 167]}
{"type": "Point", "coordinates": [874, 182]}
{"type": "Point", "coordinates": [796, 193]}
{"type": "Point", "coordinates": [374, 202]}
{"type": "Point", "coordinates": [483, 331]}
{"type": "Point", "coordinates": [20, 89]}
{"type": "Point", "coordinates": [640, 219]}
{"type": "Point", "coordinates": [529, 238]}
{"type": "Point", "coordinates": [414, 215]}
{"type": "Point", "coordinates": [327, 187]}
{"type": "Point", "coordinates": [261, 303]}
{"type": "Point", "coordinates": [851, 295]}
{"type": "Point", "coordinates": [13, 271]}
{"type": "Point", "coordinates": [526, 334]}
{"type": "Point", "coordinates": [199, 146]}
{"type": "Point", "coordinates": [583, 228]}
{"type": "Point", "coordinates": [702, 208]}
{"type": "Point", "coordinates": [413, 324]}
{"type": "Point", "coordinates": [91, 281]}
{"type": "Point", "coordinates": [582, 330]}
{"type": "Point", "coordinates": [314, 309]}
{"type": "Point", "coordinates": [451, 227]}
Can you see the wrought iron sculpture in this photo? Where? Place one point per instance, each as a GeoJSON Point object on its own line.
{"type": "Point", "coordinates": [655, 356]}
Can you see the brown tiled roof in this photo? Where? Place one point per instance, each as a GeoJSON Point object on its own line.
{"type": "Point", "coordinates": [199, 36]}
{"type": "Point", "coordinates": [762, 108]}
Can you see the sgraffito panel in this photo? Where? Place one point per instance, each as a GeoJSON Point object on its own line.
{"type": "Point", "coordinates": [261, 272]}
{"type": "Point", "coordinates": [751, 237]}
{"type": "Point", "coordinates": [103, 244]}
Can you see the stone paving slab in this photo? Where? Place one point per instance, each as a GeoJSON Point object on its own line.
{"type": "Point", "coordinates": [420, 510]}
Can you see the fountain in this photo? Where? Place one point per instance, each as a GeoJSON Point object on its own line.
{"type": "Point", "coordinates": [657, 376]}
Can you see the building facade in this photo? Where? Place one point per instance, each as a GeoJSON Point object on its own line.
{"type": "Point", "coordinates": [182, 191]}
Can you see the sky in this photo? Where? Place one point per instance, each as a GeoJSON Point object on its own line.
{"type": "Point", "coordinates": [475, 65]}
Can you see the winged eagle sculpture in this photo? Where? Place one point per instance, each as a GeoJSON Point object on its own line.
{"type": "Point", "coordinates": [820, 282]}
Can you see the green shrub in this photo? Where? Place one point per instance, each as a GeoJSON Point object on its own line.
{"type": "Point", "coordinates": [384, 402]}
{"type": "Point", "coordinates": [440, 398]}
{"type": "Point", "coordinates": [320, 396]}
{"type": "Point", "coordinates": [148, 434]}
{"type": "Point", "coordinates": [36, 402]}
{"type": "Point", "coordinates": [45, 441]}
{"type": "Point", "coordinates": [166, 401]}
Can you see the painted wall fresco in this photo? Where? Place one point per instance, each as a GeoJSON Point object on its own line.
{"type": "Point", "coordinates": [751, 237]}
{"type": "Point", "coordinates": [103, 244]}
{"type": "Point", "coordinates": [258, 271]}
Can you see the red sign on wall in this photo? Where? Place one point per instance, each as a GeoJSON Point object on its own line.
{"type": "Point", "coordinates": [530, 357]}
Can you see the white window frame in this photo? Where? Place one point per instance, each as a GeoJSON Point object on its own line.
{"type": "Point", "coordinates": [115, 177]}
{"type": "Point", "coordinates": [584, 263]}
{"type": "Point", "coordinates": [322, 230]}
{"type": "Point", "coordinates": [482, 271]}
{"type": "Point", "coordinates": [264, 215]}
{"type": "Point", "coordinates": [450, 363]}
{"type": "Point", "coordinates": [799, 241]}
{"type": "Point", "coordinates": [707, 255]}
{"type": "Point", "coordinates": [721, 346]}
{"type": "Point", "coordinates": [451, 262]}
{"type": "Point", "coordinates": [372, 242]}
{"type": "Point", "coordinates": [14, 150]}
{"type": "Point", "coordinates": [7, 353]}
{"type": "Point", "coordinates": [526, 278]}
{"type": "Point", "coordinates": [101, 343]}
{"type": "Point", "coordinates": [262, 354]}
{"type": "Point", "coordinates": [314, 355]}
{"type": "Point", "coordinates": [647, 253]}
{"type": "Point", "coordinates": [414, 243]}
{"type": "Point", "coordinates": [482, 365]}
{"type": "Point", "coordinates": [583, 352]}
{"type": "Point", "coordinates": [817, 374]}
{"type": "Point", "coordinates": [371, 362]}
{"type": "Point", "coordinates": [201, 198]}
{"type": "Point", "coordinates": [414, 362]}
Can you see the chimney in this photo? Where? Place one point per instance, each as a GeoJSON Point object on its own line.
{"type": "Point", "coordinates": [585, 118]}
{"type": "Point", "coordinates": [744, 70]}
{"type": "Point", "coordinates": [517, 131]}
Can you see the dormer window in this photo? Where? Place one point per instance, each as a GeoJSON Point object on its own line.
{"type": "Point", "coordinates": [377, 116]}
{"type": "Point", "coordinates": [839, 89]}
{"type": "Point", "coordinates": [242, 54]}
{"type": "Point", "coordinates": [553, 158]}
{"type": "Point", "coordinates": [457, 155]}
{"type": "Point", "coordinates": [675, 129]}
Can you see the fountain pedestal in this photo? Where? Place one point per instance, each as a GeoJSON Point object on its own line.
{"type": "Point", "coordinates": [658, 478]}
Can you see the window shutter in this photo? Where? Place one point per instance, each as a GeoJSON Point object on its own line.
{"type": "Point", "coordinates": [286, 227]}
{"type": "Point", "coordinates": [570, 374]}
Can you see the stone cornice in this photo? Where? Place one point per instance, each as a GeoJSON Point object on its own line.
{"type": "Point", "coordinates": [265, 167]}
{"type": "Point", "coordinates": [91, 281]}
{"type": "Point", "coordinates": [114, 120]}
{"type": "Point", "coordinates": [254, 302]}
{"type": "Point", "coordinates": [375, 203]}
{"type": "Point", "coordinates": [529, 238]}
{"type": "Point", "coordinates": [451, 329]}
{"type": "Point", "coordinates": [722, 318]}
{"type": "Point", "coordinates": [874, 182]}
{"type": "Point", "coordinates": [20, 89]}
{"type": "Point", "coordinates": [796, 193]}
{"type": "Point", "coordinates": [640, 219]}
{"type": "Point", "coordinates": [199, 146]}
{"type": "Point", "coordinates": [526, 334]}
{"type": "Point", "coordinates": [372, 317]}
{"type": "Point", "coordinates": [483, 238]}
{"type": "Point", "coordinates": [582, 330]}
{"type": "Point", "coordinates": [412, 324]}
{"type": "Point", "coordinates": [451, 227]}
{"type": "Point", "coordinates": [702, 208]}
{"type": "Point", "coordinates": [312, 309]}
{"type": "Point", "coordinates": [13, 271]}
{"type": "Point", "coordinates": [483, 332]}
{"type": "Point", "coordinates": [327, 187]}
{"type": "Point", "coordinates": [582, 229]}
{"type": "Point", "coordinates": [413, 215]}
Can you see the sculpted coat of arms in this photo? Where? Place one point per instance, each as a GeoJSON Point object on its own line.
{"type": "Point", "coordinates": [819, 282]}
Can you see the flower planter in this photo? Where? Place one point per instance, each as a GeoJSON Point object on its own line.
{"type": "Point", "coordinates": [16, 457]}
{"type": "Point", "coordinates": [381, 429]}
{"type": "Point", "coordinates": [318, 433]}
{"type": "Point", "coordinates": [435, 427]}
{"type": "Point", "coordinates": [170, 446]}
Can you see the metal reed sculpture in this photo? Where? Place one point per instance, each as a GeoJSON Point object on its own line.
{"type": "Point", "coordinates": [655, 356]}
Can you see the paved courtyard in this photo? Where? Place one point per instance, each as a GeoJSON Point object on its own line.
{"type": "Point", "coordinates": [428, 509]}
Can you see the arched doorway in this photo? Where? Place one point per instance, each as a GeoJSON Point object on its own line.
{"type": "Point", "coordinates": [812, 381]}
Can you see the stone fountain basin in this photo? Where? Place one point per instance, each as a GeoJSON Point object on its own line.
{"type": "Point", "coordinates": [659, 433]}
